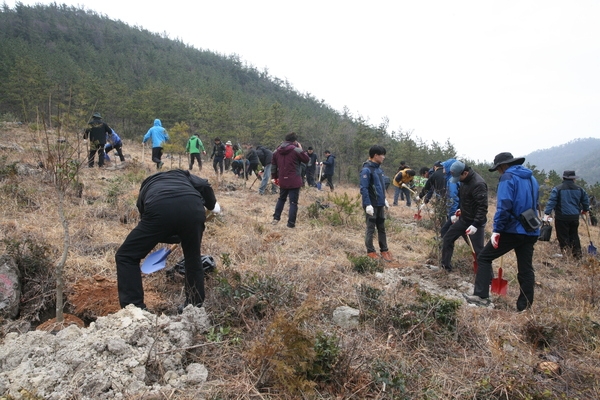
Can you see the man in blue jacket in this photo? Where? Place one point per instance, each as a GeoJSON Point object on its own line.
{"type": "Point", "coordinates": [372, 190]}
{"type": "Point", "coordinates": [568, 201]}
{"type": "Point", "coordinates": [113, 141]}
{"type": "Point", "coordinates": [158, 135]}
{"type": "Point", "coordinates": [517, 192]}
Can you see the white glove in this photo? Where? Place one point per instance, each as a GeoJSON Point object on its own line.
{"type": "Point", "coordinates": [457, 213]}
{"type": "Point", "coordinates": [422, 206]}
{"type": "Point", "coordinates": [417, 198]}
{"type": "Point", "coordinates": [546, 218]}
{"type": "Point", "coordinates": [495, 239]}
{"type": "Point", "coordinates": [369, 210]}
{"type": "Point", "coordinates": [471, 230]}
{"type": "Point", "coordinates": [453, 219]}
{"type": "Point", "coordinates": [217, 209]}
{"type": "Point", "coordinates": [387, 205]}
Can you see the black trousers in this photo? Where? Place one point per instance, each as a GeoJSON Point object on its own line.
{"type": "Point", "coordinates": [329, 179]}
{"type": "Point", "coordinates": [118, 149]}
{"type": "Point", "coordinates": [455, 231]}
{"type": "Point", "coordinates": [157, 153]}
{"type": "Point", "coordinates": [567, 233]}
{"type": "Point", "coordinates": [294, 195]}
{"type": "Point", "coordinates": [376, 221]}
{"type": "Point", "coordinates": [196, 157]}
{"type": "Point", "coordinates": [96, 148]}
{"type": "Point", "coordinates": [523, 247]}
{"type": "Point", "coordinates": [174, 216]}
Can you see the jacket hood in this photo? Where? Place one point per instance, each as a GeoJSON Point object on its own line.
{"type": "Point", "coordinates": [370, 163]}
{"type": "Point", "coordinates": [520, 171]}
{"type": "Point", "coordinates": [286, 147]}
{"type": "Point", "coordinates": [446, 165]}
{"type": "Point", "coordinates": [157, 122]}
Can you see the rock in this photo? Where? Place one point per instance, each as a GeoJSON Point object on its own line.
{"type": "Point", "coordinates": [10, 287]}
{"type": "Point", "coordinates": [346, 317]}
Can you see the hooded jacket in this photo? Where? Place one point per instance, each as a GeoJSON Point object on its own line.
{"type": "Point", "coordinates": [329, 164]}
{"type": "Point", "coordinates": [286, 165]}
{"type": "Point", "coordinates": [372, 185]}
{"type": "Point", "coordinates": [194, 145]}
{"type": "Point", "coordinates": [97, 131]}
{"type": "Point", "coordinates": [514, 197]}
{"type": "Point", "coordinates": [157, 134]}
{"type": "Point", "coordinates": [473, 199]}
{"type": "Point", "coordinates": [264, 155]}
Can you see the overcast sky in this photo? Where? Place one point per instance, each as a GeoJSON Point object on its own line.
{"type": "Point", "coordinates": [489, 76]}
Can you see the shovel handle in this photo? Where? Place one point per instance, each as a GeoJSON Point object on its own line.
{"type": "Point", "coordinates": [470, 243]}
{"type": "Point", "coordinates": [172, 248]}
{"type": "Point", "coordinates": [500, 274]}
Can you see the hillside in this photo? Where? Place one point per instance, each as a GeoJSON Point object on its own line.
{"type": "Point", "coordinates": [272, 304]}
{"type": "Point", "coordinates": [580, 155]}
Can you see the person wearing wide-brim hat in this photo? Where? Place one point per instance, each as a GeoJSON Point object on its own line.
{"type": "Point", "coordinates": [568, 201]}
{"type": "Point", "coordinates": [97, 132]}
{"type": "Point", "coordinates": [517, 192]}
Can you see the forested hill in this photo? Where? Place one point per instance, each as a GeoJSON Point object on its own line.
{"type": "Point", "coordinates": [62, 63]}
{"type": "Point", "coordinates": [580, 155]}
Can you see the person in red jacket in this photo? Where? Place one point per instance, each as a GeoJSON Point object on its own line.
{"type": "Point", "coordinates": [286, 173]}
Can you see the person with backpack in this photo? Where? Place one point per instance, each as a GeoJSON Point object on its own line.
{"type": "Point", "coordinates": [113, 141]}
{"type": "Point", "coordinates": [228, 154]}
{"type": "Point", "coordinates": [265, 156]}
{"type": "Point", "coordinates": [97, 131]}
{"type": "Point", "coordinates": [194, 146]}
{"type": "Point", "coordinates": [218, 154]}
{"type": "Point", "coordinates": [406, 177]}
{"type": "Point", "coordinates": [158, 135]}
{"type": "Point", "coordinates": [285, 172]}
{"type": "Point", "coordinates": [568, 201]}
{"type": "Point", "coordinates": [372, 191]}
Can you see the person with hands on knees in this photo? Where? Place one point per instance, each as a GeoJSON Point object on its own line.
{"type": "Point", "coordinates": [172, 209]}
{"type": "Point", "coordinates": [471, 217]}
{"type": "Point", "coordinates": [372, 191]}
{"type": "Point", "coordinates": [517, 193]}
{"type": "Point", "coordinates": [568, 201]}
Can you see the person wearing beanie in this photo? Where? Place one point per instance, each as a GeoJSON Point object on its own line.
{"type": "Point", "coordinates": [568, 201]}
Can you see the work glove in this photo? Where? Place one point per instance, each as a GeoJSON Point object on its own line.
{"type": "Point", "coordinates": [457, 213]}
{"type": "Point", "coordinates": [453, 219]}
{"type": "Point", "coordinates": [495, 239]}
{"type": "Point", "coordinates": [217, 209]}
{"type": "Point", "coordinates": [369, 210]}
{"type": "Point", "coordinates": [546, 218]}
{"type": "Point", "coordinates": [387, 205]}
{"type": "Point", "coordinates": [275, 182]}
{"type": "Point", "coordinates": [417, 198]}
{"type": "Point", "coordinates": [584, 213]}
{"type": "Point", "coordinates": [421, 207]}
{"type": "Point", "coordinates": [471, 230]}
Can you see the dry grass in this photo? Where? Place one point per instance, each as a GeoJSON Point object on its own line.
{"type": "Point", "coordinates": [403, 348]}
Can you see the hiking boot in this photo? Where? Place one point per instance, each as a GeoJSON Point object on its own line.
{"type": "Point", "coordinates": [476, 300]}
{"type": "Point", "coordinates": [275, 222]}
{"type": "Point", "coordinates": [373, 255]}
{"type": "Point", "coordinates": [290, 225]}
{"type": "Point", "coordinates": [159, 165]}
{"type": "Point", "coordinates": [387, 256]}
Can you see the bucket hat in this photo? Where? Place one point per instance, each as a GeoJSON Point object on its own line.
{"type": "Point", "coordinates": [506, 158]}
{"type": "Point", "coordinates": [570, 175]}
{"type": "Point", "coordinates": [97, 115]}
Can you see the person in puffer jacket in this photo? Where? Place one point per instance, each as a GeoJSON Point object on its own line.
{"type": "Point", "coordinates": [518, 191]}
{"type": "Point", "coordinates": [286, 173]}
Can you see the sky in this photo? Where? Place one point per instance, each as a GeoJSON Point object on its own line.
{"type": "Point", "coordinates": [487, 76]}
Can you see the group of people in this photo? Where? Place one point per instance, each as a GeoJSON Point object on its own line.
{"type": "Point", "coordinates": [464, 194]}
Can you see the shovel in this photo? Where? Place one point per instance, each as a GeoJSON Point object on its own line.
{"type": "Point", "coordinates": [320, 174]}
{"type": "Point", "coordinates": [157, 260]}
{"type": "Point", "coordinates": [474, 255]}
{"type": "Point", "coordinates": [418, 215]}
{"type": "Point", "coordinates": [591, 248]}
{"type": "Point", "coordinates": [499, 285]}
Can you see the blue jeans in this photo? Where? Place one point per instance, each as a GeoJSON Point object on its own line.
{"type": "Point", "coordinates": [266, 178]}
{"type": "Point", "coordinates": [402, 192]}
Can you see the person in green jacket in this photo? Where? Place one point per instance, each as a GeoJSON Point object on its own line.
{"type": "Point", "coordinates": [194, 147]}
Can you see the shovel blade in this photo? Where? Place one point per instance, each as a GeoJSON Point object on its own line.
{"type": "Point", "coordinates": [499, 285]}
{"type": "Point", "coordinates": [591, 249]}
{"type": "Point", "coordinates": [418, 216]}
{"type": "Point", "coordinates": [156, 261]}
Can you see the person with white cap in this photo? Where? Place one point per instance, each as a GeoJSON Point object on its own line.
{"type": "Point", "coordinates": [471, 217]}
{"type": "Point", "coordinates": [228, 154]}
{"type": "Point", "coordinates": [568, 201]}
{"type": "Point", "coordinates": [517, 193]}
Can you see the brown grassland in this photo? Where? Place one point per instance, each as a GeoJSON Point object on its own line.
{"type": "Point", "coordinates": [272, 297]}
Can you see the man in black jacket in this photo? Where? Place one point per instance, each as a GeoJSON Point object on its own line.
{"type": "Point", "coordinates": [471, 217]}
{"type": "Point", "coordinates": [218, 154]}
{"type": "Point", "coordinates": [435, 185]}
{"type": "Point", "coordinates": [311, 167]}
{"type": "Point", "coordinates": [171, 206]}
{"type": "Point", "coordinates": [97, 131]}
{"type": "Point", "coordinates": [252, 157]}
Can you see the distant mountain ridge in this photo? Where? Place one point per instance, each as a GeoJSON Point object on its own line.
{"type": "Point", "coordinates": [581, 155]}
